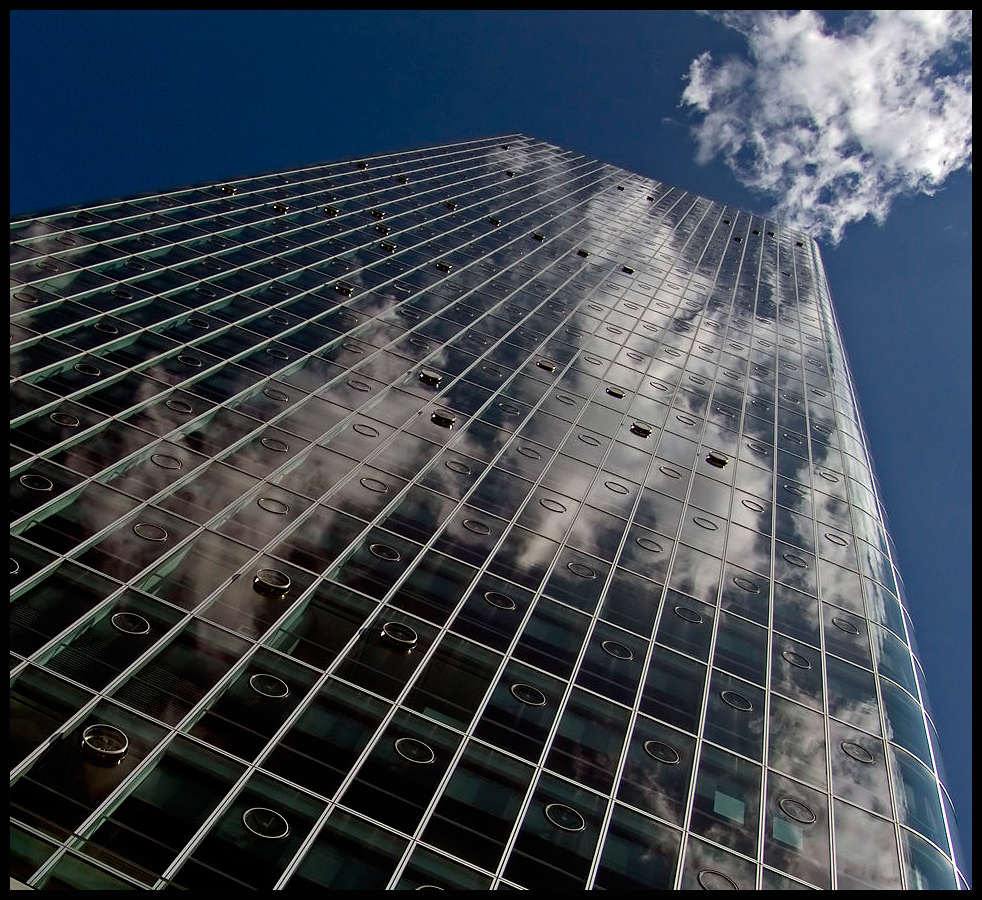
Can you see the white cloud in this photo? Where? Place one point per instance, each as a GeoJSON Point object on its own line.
{"type": "Point", "coordinates": [836, 125]}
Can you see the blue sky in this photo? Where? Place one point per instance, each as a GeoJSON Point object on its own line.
{"type": "Point", "coordinates": [853, 126]}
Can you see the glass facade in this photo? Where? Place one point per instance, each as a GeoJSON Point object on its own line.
{"type": "Point", "coordinates": [483, 516]}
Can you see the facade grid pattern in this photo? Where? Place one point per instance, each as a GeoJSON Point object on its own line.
{"type": "Point", "coordinates": [481, 516]}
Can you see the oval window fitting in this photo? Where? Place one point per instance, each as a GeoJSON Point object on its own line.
{"type": "Point", "coordinates": [795, 809]}
{"type": "Point", "coordinates": [374, 484]}
{"type": "Point", "coordinates": [272, 505]}
{"type": "Point", "coordinates": [165, 461]}
{"type": "Point", "coordinates": [711, 880]}
{"type": "Point", "coordinates": [269, 685]}
{"type": "Point", "coordinates": [271, 582]}
{"type": "Point", "coordinates": [662, 752]}
{"type": "Point", "coordinates": [618, 651]}
{"type": "Point", "coordinates": [736, 701]}
{"type": "Point", "coordinates": [35, 482]}
{"type": "Point", "coordinates": [845, 625]}
{"type": "Point", "coordinates": [688, 615]}
{"type": "Point", "coordinates": [399, 635]}
{"type": "Point", "coordinates": [795, 560]}
{"type": "Point", "coordinates": [746, 584]}
{"type": "Point", "coordinates": [527, 694]}
{"type": "Point", "coordinates": [717, 460]}
{"type": "Point", "coordinates": [150, 532]}
{"type": "Point", "coordinates": [265, 823]}
{"type": "Point", "coordinates": [414, 751]}
{"type": "Point", "coordinates": [649, 544]}
{"type": "Point", "coordinates": [105, 743]}
{"type": "Point", "coordinates": [565, 817]}
{"type": "Point", "coordinates": [796, 659]}
{"type": "Point", "coordinates": [130, 623]}
{"type": "Point", "coordinates": [857, 752]}
{"type": "Point", "coordinates": [384, 551]}
{"type": "Point", "coordinates": [274, 444]}
{"type": "Point", "coordinates": [499, 600]}
{"type": "Point", "coordinates": [581, 569]}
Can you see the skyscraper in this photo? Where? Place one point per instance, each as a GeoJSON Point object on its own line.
{"type": "Point", "coordinates": [483, 515]}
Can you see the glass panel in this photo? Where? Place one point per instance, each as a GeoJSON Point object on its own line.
{"type": "Point", "coordinates": [452, 685]}
{"type": "Point", "coordinates": [164, 809]}
{"type": "Point", "coordinates": [658, 770]}
{"type": "Point", "coordinates": [328, 738]}
{"type": "Point", "coordinates": [322, 625]}
{"type": "Point", "coordinates": [251, 708]}
{"type": "Point", "coordinates": [796, 672]}
{"type": "Point", "coordinates": [520, 711]}
{"type": "Point", "coordinates": [686, 625]}
{"type": "Point", "coordinates": [40, 704]}
{"type": "Point", "coordinates": [859, 768]}
{"type": "Point", "coordinates": [741, 648]}
{"type": "Point", "coordinates": [375, 563]}
{"type": "Point", "coordinates": [76, 772]}
{"type": "Point", "coordinates": [638, 854]}
{"type": "Point", "coordinates": [796, 744]}
{"type": "Point", "coordinates": [382, 661]}
{"type": "Point", "coordinates": [429, 869]}
{"type": "Point", "coordinates": [918, 802]}
{"type": "Point", "coordinates": [349, 854]}
{"type": "Point", "coordinates": [796, 839]}
{"type": "Point", "coordinates": [588, 741]}
{"type": "Point", "coordinates": [735, 715]}
{"type": "Point", "coordinates": [48, 607]}
{"type": "Point", "coordinates": [727, 800]}
{"type": "Point", "coordinates": [552, 638]}
{"type": "Point", "coordinates": [865, 850]}
{"type": "Point", "coordinates": [613, 663]}
{"type": "Point", "coordinates": [102, 646]}
{"type": "Point", "coordinates": [254, 840]}
{"type": "Point", "coordinates": [80, 516]}
{"type": "Point", "coordinates": [925, 867]}
{"type": "Point", "coordinates": [673, 689]}
{"type": "Point", "coordinates": [395, 784]}
{"type": "Point", "coordinates": [555, 844]}
{"type": "Point", "coordinates": [168, 685]}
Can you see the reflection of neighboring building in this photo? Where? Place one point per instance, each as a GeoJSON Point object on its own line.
{"type": "Point", "coordinates": [474, 516]}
